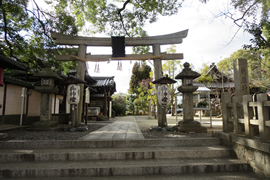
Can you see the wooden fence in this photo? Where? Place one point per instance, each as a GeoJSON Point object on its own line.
{"type": "Point", "coordinates": [248, 115]}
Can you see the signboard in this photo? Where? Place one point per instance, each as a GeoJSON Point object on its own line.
{"type": "Point", "coordinates": [164, 95]}
{"type": "Point", "coordinates": [73, 94]}
{"type": "Point", "coordinates": [87, 95]}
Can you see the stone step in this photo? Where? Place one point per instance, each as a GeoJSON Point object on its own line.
{"type": "Point", "coordinates": [86, 154]}
{"type": "Point", "coordinates": [193, 176]}
{"type": "Point", "coordinates": [28, 144]}
{"type": "Point", "coordinates": [120, 167]}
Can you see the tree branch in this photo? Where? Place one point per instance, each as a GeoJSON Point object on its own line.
{"type": "Point", "coordinates": [121, 18]}
{"type": "Point", "coordinates": [246, 11]}
{"type": "Point", "coordinates": [139, 4]}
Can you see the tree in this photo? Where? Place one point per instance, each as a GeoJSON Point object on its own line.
{"type": "Point", "coordinates": [250, 21]}
{"type": "Point", "coordinates": [25, 32]}
{"type": "Point", "coordinates": [121, 17]}
{"type": "Point", "coordinates": [130, 103]}
{"type": "Point", "coordinates": [258, 65]}
{"type": "Point", "coordinates": [119, 104]}
{"type": "Point", "coordinates": [205, 78]}
{"type": "Point", "coordinates": [139, 72]}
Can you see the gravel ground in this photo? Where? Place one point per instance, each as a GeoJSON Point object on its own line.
{"type": "Point", "coordinates": [54, 135]}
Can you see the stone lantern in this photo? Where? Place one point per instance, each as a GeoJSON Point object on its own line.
{"type": "Point", "coordinates": [164, 96]}
{"type": "Point", "coordinates": [188, 124]}
{"type": "Point", "coordinates": [46, 89]}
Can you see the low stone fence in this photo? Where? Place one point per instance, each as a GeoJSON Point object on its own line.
{"type": "Point", "coordinates": [248, 115]}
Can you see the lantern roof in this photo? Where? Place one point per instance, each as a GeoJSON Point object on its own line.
{"type": "Point", "coordinates": [164, 80]}
{"type": "Point", "coordinates": [47, 72]}
{"type": "Point", "coordinates": [187, 73]}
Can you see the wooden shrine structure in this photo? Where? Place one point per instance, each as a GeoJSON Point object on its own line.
{"type": "Point", "coordinates": [154, 41]}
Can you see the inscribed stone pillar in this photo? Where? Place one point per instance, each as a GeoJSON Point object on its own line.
{"type": "Point", "coordinates": [241, 78]}
{"type": "Point", "coordinates": [158, 74]}
{"type": "Point", "coordinates": [241, 82]}
{"type": "Point", "coordinates": [81, 74]}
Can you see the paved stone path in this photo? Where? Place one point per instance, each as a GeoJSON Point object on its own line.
{"type": "Point", "coordinates": [123, 129]}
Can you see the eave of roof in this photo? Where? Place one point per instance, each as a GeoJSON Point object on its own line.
{"type": "Point", "coordinates": [15, 81]}
{"type": "Point", "coordinates": [6, 62]}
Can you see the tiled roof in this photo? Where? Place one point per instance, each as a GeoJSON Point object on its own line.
{"type": "Point", "coordinates": [6, 62]}
{"type": "Point", "coordinates": [103, 81]}
{"type": "Point", "coordinates": [12, 80]}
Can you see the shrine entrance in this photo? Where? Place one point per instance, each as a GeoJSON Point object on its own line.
{"type": "Point", "coordinates": [82, 56]}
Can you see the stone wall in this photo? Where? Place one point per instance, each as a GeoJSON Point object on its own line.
{"type": "Point", "coordinates": [252, 151]}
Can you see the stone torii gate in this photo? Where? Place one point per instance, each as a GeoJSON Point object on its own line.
{"type": "Point", "coordinates": [154, 41]}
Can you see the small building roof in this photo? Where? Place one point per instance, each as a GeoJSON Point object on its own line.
{"type": "Point", "coordinates": [19, 82]}
{"type": "Point", "coordinates": [164, 80]}
{"type": "Point", "coordinates": [6, 62]}
{"type": "Point", "coordinates": [104, 82]}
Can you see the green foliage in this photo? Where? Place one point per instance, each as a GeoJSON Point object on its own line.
{"type": "Point", "coordinates": [204, 78]}
{"type": "Point", "coordinates": [130, 103]}
{"type": "Point", "coordinates": [258, 65]}
{"type": "Point", "coordinates": [119, 104]}
{"type": "Point", "coordinates": [141, 101]}
{"type": "Point", "coordinates": [26, 32]}
{"type": "Point", "coordinates": [119, 17]}
{"type": "Point", "coordinates": [139, 72]}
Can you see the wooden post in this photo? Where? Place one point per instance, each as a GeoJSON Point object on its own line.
{"type": "Point", "coordinates": [105, 103]}
{"type": "Point", "coordinates": [149, 109]}
{"type": "Point", "coordinates": [227, 125]}
{"type": "Point", "coordinates": [80, 74]}
{"type": "Point", "coordinates": [263, 115]}
{"type": "Point", "coordinates": [236, 113]}
{"type": "Point", "coordinates": [248, 114]}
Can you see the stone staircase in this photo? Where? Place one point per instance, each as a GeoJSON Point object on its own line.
{"type": "Point", "coordinates": [187, 158]}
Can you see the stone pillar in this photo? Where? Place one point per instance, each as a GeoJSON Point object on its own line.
{"type": "Point", "coordinates": [188, 112]}
{"type": "Point", "coordinates": [263, 115]}
{"type": "Point", "coordinates": [226, 114]}
{"type": "Point", "coordinates": [248, 115]}
{"type": "Point", "coordinates": [158, 74]}
{"type": "Point", "coordinates": [46, 107]}
{"type": "Point", "coordinates": [80, 74]}
{"type": "Point", "coordinates": [241, 78]}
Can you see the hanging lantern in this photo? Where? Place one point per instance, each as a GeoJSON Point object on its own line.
{"type": "Point", "coordinates": [73, 94]}
{"type": "Point", "coordinates": [164, 95]}
{"type": "Point", "coordinates": [164, 92]}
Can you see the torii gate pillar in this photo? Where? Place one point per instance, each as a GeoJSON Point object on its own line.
{"type": "Point", "coordinates": [81, 67]}
{"type": "Point", "coordinates": [158, 74]}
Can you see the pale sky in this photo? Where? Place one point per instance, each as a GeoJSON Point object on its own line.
{"type": "Point", "coordinates": [207, 39]}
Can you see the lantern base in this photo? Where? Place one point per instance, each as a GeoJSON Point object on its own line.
{"type": "Point", "coordinates": [190, 126]}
